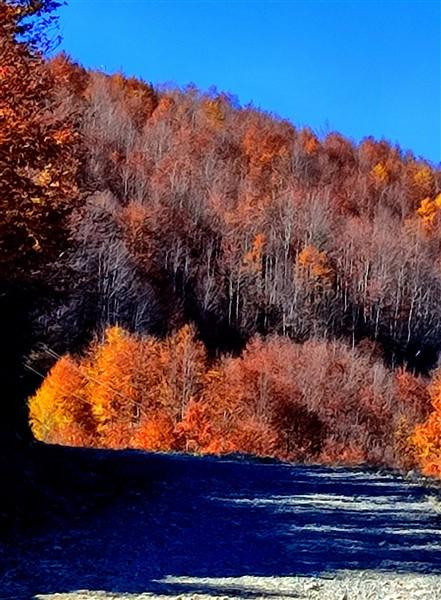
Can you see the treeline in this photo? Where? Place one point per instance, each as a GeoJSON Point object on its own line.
{"type": "Point", "coordinates": [316, 401]}
{"type": "Point", "coordinates": [149, 209]}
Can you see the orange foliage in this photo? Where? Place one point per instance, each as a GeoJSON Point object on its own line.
{"type": "Point", "coordinates": [128, 387]}
{"type": "Point", "coordinates": [246, 224]}
{"type": "Point", "coordinates": [195, 430]}
{"type": "Point", "coordinates": [156, 433]}
{"type": "Point", "coordinates": [309, 142]}
{"type": "Point", "coordinates": [251, 436]}
{"type": "Point", "coordinates": [115, 378]}
{"type": "Point", "coordinates": [380, 173]}
{"type": "Point", "coordinates": [428, 211]}
{"type": "Point", "coordinates": [38, 138]}
{"type": "Point", "coordinates": [339, 453]}
{"type": "Point", "coordinates": [373, 152]}
{"type": "Point", "coordinates": [60, 411]}
{"type": "Point", "coordinates": [183, 361]}
{"type": "Point", "coordinates": [316, 401]}
{"type": "Point", "coordinates": [139, 98]}
{"type": "Point", "coordinates": [267, 155]}
{"type": "Point", "coordinates": [253, 258]}
{"type": "Point", "coordinates": [427, 436]}
{"type": "Point", "coordinates": [165, 107]}
{"type": "Point", "coordinates": [315, 265]}
{"type": "Point", "coordinates": [69, 74]}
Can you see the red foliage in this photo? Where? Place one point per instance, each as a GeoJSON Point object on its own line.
{"type": "Point", "coordinates": [427, 435]}
{"type": "Point", "coordinates": [38, 150]}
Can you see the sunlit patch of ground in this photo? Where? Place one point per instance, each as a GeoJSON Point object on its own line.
{"type": "Point", "coordinates": [345, 586]}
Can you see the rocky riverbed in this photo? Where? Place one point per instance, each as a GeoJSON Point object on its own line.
{"type": "Point", "coordinates": [186, 527]}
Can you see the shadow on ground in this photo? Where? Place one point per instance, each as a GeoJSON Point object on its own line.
{"type": "Point", "coordinates": [163, 517]}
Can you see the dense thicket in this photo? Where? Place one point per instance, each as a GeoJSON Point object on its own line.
{"type": "Point", "coordinates": [154, 208]}
{"type": "Point", "coordinates": [319, 400]}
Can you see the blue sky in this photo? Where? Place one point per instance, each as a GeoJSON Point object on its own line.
{"type": "Point", "coordinates": [366, 67]}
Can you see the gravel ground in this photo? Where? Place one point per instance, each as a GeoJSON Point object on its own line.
{"type": "Point", "coordinates": [207, 528]}
{"type": "Point", "coordinates": [345, 586]}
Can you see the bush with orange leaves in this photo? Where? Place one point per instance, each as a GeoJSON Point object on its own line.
{"type": "Point", "coordinates": [156, 433]}
{"type": "Point", "coordinates": [126, 391]}
{"type": "Point", "coordinates": [318, 401]}
{"type": "Point", "coordinates": [427, 436]}
{"type": "Point", "coordinates": [195, 432]}
{"type": "Point", "coordinates": [114, 370]}
{"type": "Point", "coordinates": [258, 392]}
{"type": "Point", "coordinates": [60, 411]}
{"type": "Point", "coordinates": [414, 406]}
{"type": "Point", "coordinates": [143, 384]}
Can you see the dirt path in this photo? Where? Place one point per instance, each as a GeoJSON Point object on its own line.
{"type": "Point", "coordinates": [206, 528]}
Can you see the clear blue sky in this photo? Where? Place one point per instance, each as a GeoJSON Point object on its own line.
{"type": "Point", "coordinates": [365, 67]}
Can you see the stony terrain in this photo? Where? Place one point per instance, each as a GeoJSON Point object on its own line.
{"type": "Point", "coordinates": [206, 528]}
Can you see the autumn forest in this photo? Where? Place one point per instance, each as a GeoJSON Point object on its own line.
{"type": "Point", "coordinates": [182, 273]}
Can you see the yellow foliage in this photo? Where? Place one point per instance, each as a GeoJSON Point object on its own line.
{"type": "Point", "coordinates": [380, 173]}
{"type": "Point", "coordinates": [428, 210]}
{"type": "Point", "coordinates": [315, 264]}
{"type": "Point", "coordinates": [44, 178]}
{"type": "Point", "coordinates": [213, 109]}
{"type": "Point", "coordinates": [59, 402]}
{"type": "Point", "coordinates": [423, 179]}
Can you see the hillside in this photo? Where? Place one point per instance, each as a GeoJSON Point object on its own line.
{"type": "Point", "coordinates": [196, 275]}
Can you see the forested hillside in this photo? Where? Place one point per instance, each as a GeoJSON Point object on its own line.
{"type": "Point", "coordinates": [197, 275]}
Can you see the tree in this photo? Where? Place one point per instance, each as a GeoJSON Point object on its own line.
{"type": "Point", "coordinates": [39, 161]}
{"type": "Point", "coordinates": [60, 412]}
{"type": "Point", "coordinates": [195, 431]}
{"type": "Point", "coordinates": [427, 435]}
{"type": "Point", "coordinates": [116, 385]}
{"type": "Point", "coordinates": [412, 411]}
{"type": "Point", "coordinates": [156, 433]}
{"type": "Point", "coordinates": [38, 142]}
{"type": "Point", "coordinates": [183, 360]}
